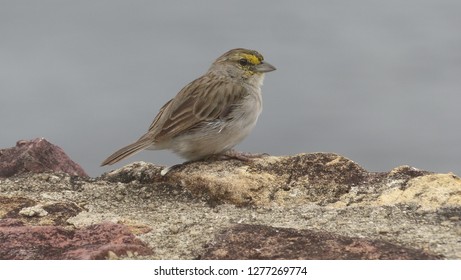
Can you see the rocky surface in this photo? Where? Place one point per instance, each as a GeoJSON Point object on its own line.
{"type": "Point", "coordinates": [264, 242]}
{"type": "Point", "coordinates": [99, 241]}
{"type": "Point", "coordinates": [36, 156]}
{"type": "Point", "coordinates": [306, 206]}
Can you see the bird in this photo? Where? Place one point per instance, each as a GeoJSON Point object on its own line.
{"type": "Point", "coordinates": [211, 114]}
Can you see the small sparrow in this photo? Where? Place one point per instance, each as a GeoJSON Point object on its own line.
{"type": "Point", "coordinates": [210, 115]}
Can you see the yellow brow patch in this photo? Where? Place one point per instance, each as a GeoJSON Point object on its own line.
{"type": "Point", "coordinates": [253, 59]}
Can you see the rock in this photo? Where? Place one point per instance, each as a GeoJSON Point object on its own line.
{"type": "Point", "coordinates": [53, 242]}
{"type": "Point", "coordinates": [243, 242]}
{"type": "Point", "coordinates": [321, 178]}
{"type": "Point", "coordinates": [323, 204]}
{"type": "Point", "coordinates": [429, 192]}
{"type": "Point", "coordinates": [36, 156]}
{"type": "Point", "coordinates": [295, 180]}
{"type": "Point", "coordinates": [33, 211]}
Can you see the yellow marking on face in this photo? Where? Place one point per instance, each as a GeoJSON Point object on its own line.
{"type": "Point", "coordinates": [253, 59]}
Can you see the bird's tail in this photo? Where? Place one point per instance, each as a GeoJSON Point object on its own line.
{"type": "Point", "coordinates": [129, 150]}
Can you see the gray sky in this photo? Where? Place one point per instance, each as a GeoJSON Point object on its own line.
{"type": "Point", "coordinates": [376, 81]}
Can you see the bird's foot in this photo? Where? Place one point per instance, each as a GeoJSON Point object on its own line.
{"type": "Point", "coordinates": [170, 168]}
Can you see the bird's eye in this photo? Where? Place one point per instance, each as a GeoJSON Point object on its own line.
{"type": "Point", "coordinates": [243, 62]}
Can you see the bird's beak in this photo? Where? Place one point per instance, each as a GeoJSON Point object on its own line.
{"type": "Point", "coordinates": [264, 67]}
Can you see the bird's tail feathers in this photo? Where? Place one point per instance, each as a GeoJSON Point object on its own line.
{"type": "Point", "coordinates": [129, 150]}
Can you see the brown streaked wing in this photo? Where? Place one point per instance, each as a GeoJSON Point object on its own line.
{"type": "Point", "coordinates": [155, 122]}
{"type": "Point", "coordinates": [164, 113]}
{"type": "Point", "coordinates": [206, 100]}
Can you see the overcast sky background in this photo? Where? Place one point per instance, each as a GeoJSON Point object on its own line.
{"type": "Point", "coordinates": [376, 81]}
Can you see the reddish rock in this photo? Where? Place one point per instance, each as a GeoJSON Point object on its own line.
{"type": "Point", "coordinates": [270, 243]}
{"type": "Point", "coordinates": [56, 243]}
{"type": "Point", "coordinates": [36, 156]}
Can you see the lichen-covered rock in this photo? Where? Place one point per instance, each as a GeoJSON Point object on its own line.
{"type": "Point", "coordinates": [322, 200]}
{"type": "Point", "coordinates": [36, 156]}
{"type": "Point", "coordinates": [299, 179]}
{"type": "Point", "coordinates": [324, 179]}
{"type": "Point", "coordinates": [428, 192]}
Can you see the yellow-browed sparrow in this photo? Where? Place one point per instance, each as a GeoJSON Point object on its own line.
{"type": "Point", "coordinates": [210, 115]}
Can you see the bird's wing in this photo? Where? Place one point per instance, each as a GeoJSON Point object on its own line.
{"type": "Point", "coordinates": [202, 100]}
